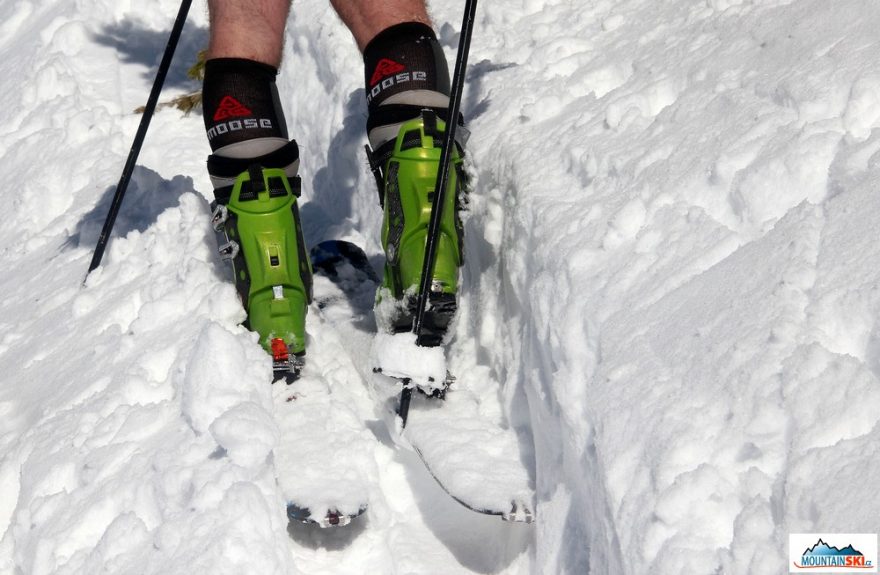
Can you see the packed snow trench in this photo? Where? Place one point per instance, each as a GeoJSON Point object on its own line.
{"type": "Point", "coordinates": [671, 294]}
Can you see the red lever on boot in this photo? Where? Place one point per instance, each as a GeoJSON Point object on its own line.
{"type": "Point", "coordinates": [279, 349]}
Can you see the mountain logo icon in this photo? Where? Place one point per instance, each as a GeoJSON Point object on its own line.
{"type": "Point", "coordinates": [384, 68]}
{"type": "Point", "coordinates": [822, 548]}
{"type": "Point", "coordinates": [231, 108]}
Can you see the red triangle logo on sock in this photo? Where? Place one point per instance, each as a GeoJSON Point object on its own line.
{"type": "Point", "coordinates": [230, 108]}
{"type": "Point", "coordinates": [385, 67]}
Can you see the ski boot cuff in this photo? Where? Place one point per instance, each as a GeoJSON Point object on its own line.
{"type": "Point", "coordinates": [224, 170]}
{"type": "Point", "coordinates": [397, 115]}
{"type": "Point", "coordinates": [384, 123]}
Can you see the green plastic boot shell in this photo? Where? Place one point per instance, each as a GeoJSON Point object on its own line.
{"type": "Point", "coordinates": [269, 258]}
{"type": "Point", "coordinates": [410, 177]}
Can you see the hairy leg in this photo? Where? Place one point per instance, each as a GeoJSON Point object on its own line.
{"type": "Point", "coordinates": [366, 18]}
{"type": "Point", "coordinates": [252, 29]}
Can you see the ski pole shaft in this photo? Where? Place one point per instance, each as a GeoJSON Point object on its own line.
{"type": "Point", "coordinates": [440, 190]}
{"type": "Point", "coordinates": [464, 45]}
{"type": "Point", "coordinates": [133, 153]}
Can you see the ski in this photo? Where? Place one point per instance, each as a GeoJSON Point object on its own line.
{"type": "Point", "coordinates": [475, 461]}
{"type": "Point", "coordinates": [323, 456]}
{"type": "Point", "coordinates": [320, 457]}
{"type": "Point", "coordinates": [518, 511]}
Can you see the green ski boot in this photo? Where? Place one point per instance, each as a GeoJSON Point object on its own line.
{"type": "Point", "coordinates": [256, 218]}
{"type": "Point", "coordinates": [406, 173]}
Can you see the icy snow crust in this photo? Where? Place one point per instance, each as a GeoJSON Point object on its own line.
{"type": "Point", "coordinates": [671, 299]}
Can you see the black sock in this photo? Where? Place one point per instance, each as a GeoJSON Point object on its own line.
{"type": "Point", "coordinates": [404, 57]}
{"type": "Point", "coordinates": [240, 102]}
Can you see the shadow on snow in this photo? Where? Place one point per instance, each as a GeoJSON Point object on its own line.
{"type": "Point", "coordinates": [137, 44]}
{"type": "Point", "coordinates": [148, 195]}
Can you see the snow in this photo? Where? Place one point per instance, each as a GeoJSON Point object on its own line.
{"type": "Point", "coordinates": [670, 298]}
{"type": "Point", "coordinates": [398, 356]}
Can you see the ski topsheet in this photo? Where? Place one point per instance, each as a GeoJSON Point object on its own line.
{"type": "Point", "coordinates": [475, 460]}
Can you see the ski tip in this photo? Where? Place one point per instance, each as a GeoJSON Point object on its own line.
{"type": "Point", "coordinates": [519, 513]}
{"type": "Point", "coordinates": [332, 518]}
{"type": "Point", "coordinates": [328, 255]}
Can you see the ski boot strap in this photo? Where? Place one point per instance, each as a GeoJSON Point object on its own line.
{"type": "Point", "coordinates": [224, 171]}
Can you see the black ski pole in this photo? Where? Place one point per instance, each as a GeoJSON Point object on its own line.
{"type": "Point", "coordinates": [464, 45]}
{"type": "Point", "coordinates": [149, 109]}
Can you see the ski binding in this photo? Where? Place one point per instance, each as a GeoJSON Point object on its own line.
{"type": "Point", "coordinates": [332, 518]}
